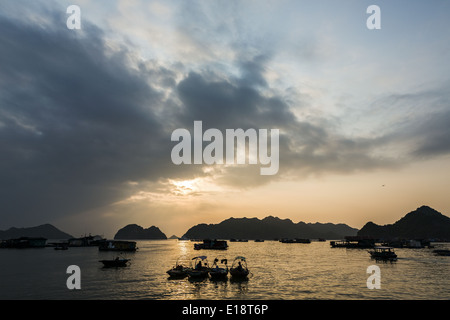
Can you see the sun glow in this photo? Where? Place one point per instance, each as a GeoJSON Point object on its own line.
{"type": "Point", "coordinates": [184, 187]}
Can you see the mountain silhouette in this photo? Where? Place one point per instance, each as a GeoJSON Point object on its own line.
{"type": "Point", "coordinates": [268, 228]}
{"type": "Point", "coordinates": [47, 231]}
{"type": "Point", "coordinates": [135, 232]}
{"type": "Point", "coordinates": [423, 223]}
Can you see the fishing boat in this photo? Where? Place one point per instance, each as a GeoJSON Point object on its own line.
{"type": "Point", "coordinates": [239, 268]}
{"type": "Point", "coordinates": [442, 252]}
{"type": "Point", "coordinates": [61, 247]}
{"type": "Point", "coordinates": [383, 253]}
{"type": "Point", "coordinates": [211, 244]}
{"type": "Point", "coordinates": [199, 268]}
{"type": "Point", "coordinates": [114, 263]}
{"type": "Point", "coordinates": [219, 272]}
{"type": "Point", "coordinates": [179, 270]}
{"type": "Point", "coordinates": [296, 240]}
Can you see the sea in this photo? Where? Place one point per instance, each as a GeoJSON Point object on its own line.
{"type": "Point", "coordinates": [278, 271]}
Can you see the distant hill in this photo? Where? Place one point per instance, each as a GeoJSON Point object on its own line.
{"type": "Point", "coordinates": [423, 223]}
{"type": "Point", "coordinates": [268, 228]}
{"type": "Point", "coordinates": [173, 237]}
{"type": "Point", "coordinates": [46, 231]}
{"type": "Point", "coordinates": [135, 232]}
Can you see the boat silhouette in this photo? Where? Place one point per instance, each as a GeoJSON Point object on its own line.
{"type": "Point", "coordinates": [115, 263]}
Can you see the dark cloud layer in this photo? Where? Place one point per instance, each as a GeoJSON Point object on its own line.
{"type": "Point", "coordinates": [78, 122]}
{"type": "Point", "coordinates": [434, 136]}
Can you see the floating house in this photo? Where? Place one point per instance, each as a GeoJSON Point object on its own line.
{"type": "Point", "coordinates": [296, 240]}
{"type": "Point", "coordinates": [211, 244]}
{"type": "Point", "coordinates": [358, 242]}
{"type": "Point", "coordinates": [24, 242]}
{"type": "Point", "coordinates": [86, 241]}
{"type": "Point", "coordinates": [117, 245]}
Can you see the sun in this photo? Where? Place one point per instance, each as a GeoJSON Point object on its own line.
{"type": "Point", "coordinates": [184, 187]}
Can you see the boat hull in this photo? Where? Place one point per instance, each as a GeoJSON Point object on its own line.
{"type": "Point", "coordinates": [240, 274]}
{"type": "Point", "coordinates": [179, 274]}
{"type": "Point", "coordinates": [219, 274]}
{"type": "Point", "coordinates": [198, 274]}
{"type": "Point", "coordinates": [383, 253]}
{"type": "Point", "coordinates": [384, 257]}
{"type": "Point", "coordinates": [114, 263]}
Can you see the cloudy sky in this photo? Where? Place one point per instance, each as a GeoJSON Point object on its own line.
{"type": "Point", "coordinates": [86, 115]}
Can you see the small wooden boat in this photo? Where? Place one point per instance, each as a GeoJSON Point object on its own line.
{"type": "Point", "coordinates": [178, 271]}
{"type": "Point", "coordinates": [239, 268]}
{"type": "Point", "coordinates": [219, 272]}
{"type": "Point", "coordinates": [199, 268]}
{"type": "Point", "coordinates": [442, 252]}
{"type": "Point", "coordinates": [117, 262]}
{"type": "Point", "coordinates": [383, 253]}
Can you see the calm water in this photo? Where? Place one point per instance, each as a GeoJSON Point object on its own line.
{"type": "Point", "coordinates": [279, 271]}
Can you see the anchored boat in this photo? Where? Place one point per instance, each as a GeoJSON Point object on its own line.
{"type": "Point", "coordinates": [383, 253]}
{"type": "Point", "coordinates": [295, 240]}
{"type": "Point", "coordinates": [239, 268]}
{"type": "Point", "coordinates": [219, 272]}
{"type": "Point", "coordinates": [117, 262]}
{"type": "Point", "coordinates": [179, 270]}
{"type": "Point", "coordinates": [211, 244]}
{"type": "Point", "coordinates": [199, 268]}
{"type": "Point", "coordinates": [117, 245]}
{"type": "Point", "coordinates": [442, 252]}
{"type": "Point", "coordinates": [354, 242]}
{"type": "Point", "coordinates": [61, 246]}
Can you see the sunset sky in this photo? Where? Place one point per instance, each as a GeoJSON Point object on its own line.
{"type": "Point", "coordinates": [86, 116]}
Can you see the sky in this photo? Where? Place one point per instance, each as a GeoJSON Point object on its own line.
{"type": "Point", "coordinates": [86, 115]}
